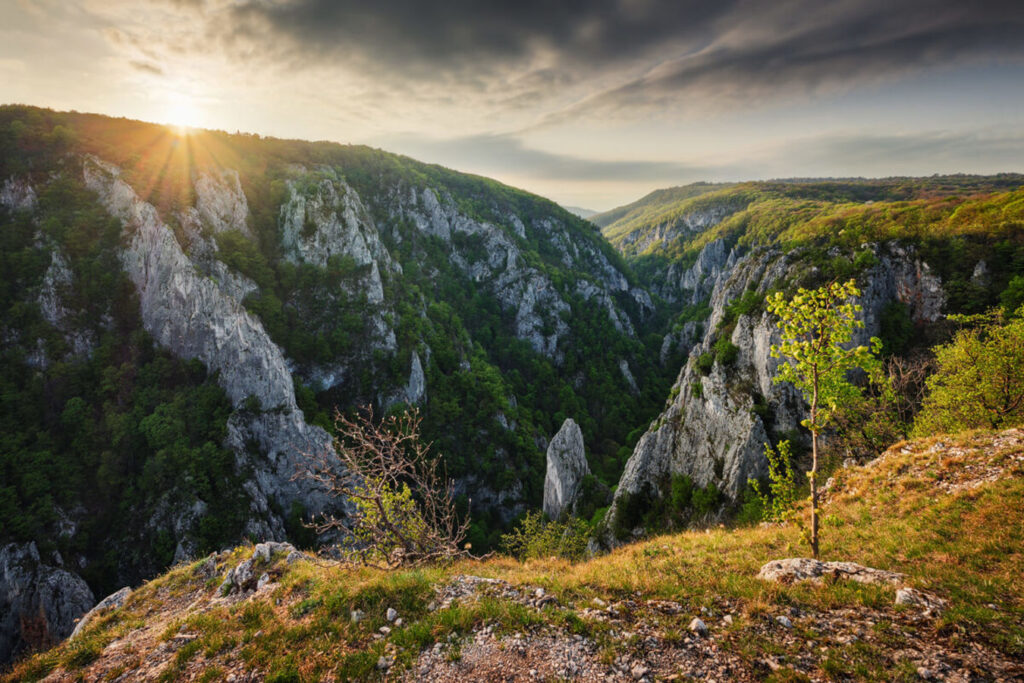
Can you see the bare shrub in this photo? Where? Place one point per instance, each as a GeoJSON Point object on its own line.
{"type": "Point", "coordinates": [404, 504]}
{"type": "Point", "coordinates": [866, 425]}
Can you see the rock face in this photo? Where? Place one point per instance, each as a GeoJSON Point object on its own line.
{"type": "Point", "coordinates": [39, 602]}
{"type": "Point", "coordinates": [57, 281]}
{"type": "Point", "coordinates": [193, 317]}
{"type": "Point", "coordinates": [112, 601]}
{"type": "Point", "coordinates": [325, 219]}
{"type": "Point", "coordinates": [692, 285]}
{"type": "Point", "coordinates": [492, 255]}
{"type": "Point", "coordinates": [687, 223]}
{"type": "Point", "coordinates": [220, 202]}
{"type": "Point", "coordinates": [566, 467]}
{"type": "Point", "coordinates": [710, 430]}
{"type": "Point", "coordinates": [17, 195]}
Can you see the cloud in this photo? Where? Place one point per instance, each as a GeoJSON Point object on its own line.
{"type": "Point", "coordinates": [808, 48]}
{"type": "Point", "coordinates": [505, 155]}
{"type": "Point", "coordinates": [916, 153]}
{"type": "Point", "coordinates": [632, 55]}
{"type": "Point", "coordinates": [146, 67]}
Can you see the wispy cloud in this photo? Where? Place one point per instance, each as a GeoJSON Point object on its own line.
{"type": "Point", "coordinates": [632, 55]}
{"type": "Point", "coordinates": [577, 94]}
{"type": "Point", "coordinates": [508, 155]}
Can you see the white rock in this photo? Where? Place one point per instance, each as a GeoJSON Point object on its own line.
{"type": "Point", "coordinates": [192, 317]}
{"type": "Point", "coordinates": [566, 467]}
{"type": "Point", "coordinates": [805, 569]}
{"type": "Point", "coordinates": [112, 601]}
{"type": "Point", "coordinates": [916, 598]}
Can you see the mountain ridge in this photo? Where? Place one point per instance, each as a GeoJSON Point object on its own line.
{"type": "Point", "coordinates": [184, 312]}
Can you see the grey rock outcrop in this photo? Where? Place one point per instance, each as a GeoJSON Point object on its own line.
{"type": "Point", "coordinates": [193, 317]}
{"type": "Point", "coordinates": [492, 254]}
{"type": "Point", "coordinates": [690, 286]}
{"type": "Point", "coordinates": [220, 202]}
{"type": "Point", "coordinates": [710, 430]}
{"type": "Point", "coordinates": [39, 601]}
{"type": "Point", "coordinates": [566, 467]}
{"type": "Point", "coordinates": [324, 218]}
{"type": "Point", "coordinates": [415, 390]}
{"type": "Point", "coordinates": [247, 575]}
{"type": "Point", "coordinates": [687, 223]}
{"type": "Point", "coordinates": [911, 597]}
{"type": "Point", "coordinates": [796, 569]}
{"type": "Point", "coordinates": [57, 282]}
{"type": "Point", "coordinates": [17, 194]}
{"type": "Point", "coordinates": [111, 602]}
{"type": "Point", "coordinates": [186, 313]}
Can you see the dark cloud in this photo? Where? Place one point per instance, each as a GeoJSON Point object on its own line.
{"type": "Point", "coordinates": [460, 36]}
{"type": "Point", "coordinates": [506, 156]}
{"type": "Point", "coordinates": [678, 47]}
{"type": "Point", "coordinates": [813, 50]}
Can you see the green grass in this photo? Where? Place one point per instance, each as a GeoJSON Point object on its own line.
{"type": "Point", "coordinates": [964, 547]}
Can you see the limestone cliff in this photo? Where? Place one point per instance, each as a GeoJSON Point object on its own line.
{"type": "Point", "coordinates": [566, 467]}
{"type": "Point", "coordinates": [194, 318]}
{"type": "Point", "coordinates": [493, 255]}
{"type": "Point", "coordinates": [39, 600]}
{"type": "Point", "coordinates": [710, 430]}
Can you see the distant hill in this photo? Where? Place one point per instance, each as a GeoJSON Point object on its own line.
{"type": "Point", "coordinates": [658, 198]}
{"type": "Point", "coordinates": [664, 216]}
{"type": "Point", "coordinates": [578, 211]}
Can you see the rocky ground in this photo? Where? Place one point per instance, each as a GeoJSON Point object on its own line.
{"type": "Point", "coordinates": [638, 640]}
{"type": "Point", "coordinates": [660, 640]}
{"type": "Point", "coordinates": [693, 606]}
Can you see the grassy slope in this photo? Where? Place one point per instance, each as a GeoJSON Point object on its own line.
{"type": "Point", "coordinates": [947, 511]}
{"type": "Point", "coordinates": [652, 202]}
{"type": "Point", "coordinates": [775, 205]}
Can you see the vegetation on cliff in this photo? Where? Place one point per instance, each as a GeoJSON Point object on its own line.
{"type": "Point", "coordinates": [944, 511]}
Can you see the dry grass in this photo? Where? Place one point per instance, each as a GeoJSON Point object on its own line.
{"type": "Point", "coordinates": [946, 511]}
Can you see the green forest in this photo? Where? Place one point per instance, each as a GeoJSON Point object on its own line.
{"type": "Point", "coordinates": [121, 437]}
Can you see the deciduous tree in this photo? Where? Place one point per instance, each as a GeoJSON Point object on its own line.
{"type": "Point", "coordinates": [817, 328]}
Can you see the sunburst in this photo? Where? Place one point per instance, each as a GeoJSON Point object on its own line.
{"type": "Point", "coordinates": [182, 115]}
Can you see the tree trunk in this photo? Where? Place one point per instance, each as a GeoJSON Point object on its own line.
{"type": "Point", "coordinates": [814, 493]}
{"type": "Point", "coordinates": [814, 471]}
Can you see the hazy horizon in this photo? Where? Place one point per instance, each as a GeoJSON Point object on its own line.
{"type": "Point", "coordinates": [590, 104]}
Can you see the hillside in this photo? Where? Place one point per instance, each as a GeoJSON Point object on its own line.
{"type": "Point", "coordinates": [919, 250]}
{"type": "Point", "coordinates": [945, 511]}
{"type": "Point", "coordinates": [183, 313]}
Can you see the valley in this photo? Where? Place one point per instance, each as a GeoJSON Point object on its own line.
{"type": "Point", "coordinates": [184, 312]}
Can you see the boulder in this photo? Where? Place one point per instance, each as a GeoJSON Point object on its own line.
{"type": "Point", "coordinates": [566, 467]}
{"type": "Point", "coordinates": [930, 604]}
{"type": "Point", "coordinates": [111, 602]}
{"type": "Point", "coordinates": [797, 569]}
{"type": "Point", "coordinates": [244, 577]}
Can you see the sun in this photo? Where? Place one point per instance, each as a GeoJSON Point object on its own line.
{"type": "Point", "coordinates": [182, 114]}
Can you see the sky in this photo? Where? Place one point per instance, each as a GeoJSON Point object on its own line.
{"type": "Point", "coordinates": [592, 104]}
